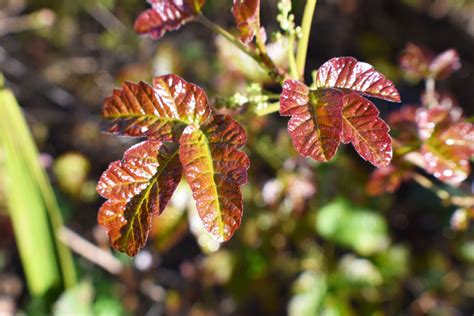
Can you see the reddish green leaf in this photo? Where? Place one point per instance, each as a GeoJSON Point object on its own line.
{"type": "Point", "coordinates": [247, 18]}
{"type": "Point", "coordinates": [348, 73]}
{"type": "Point", "coordinates": [415, 61]}
{"type": "Point", "coordinates": [436, 117]}
{"type": "Point", "coordinates": [315, 126]}
{"type": "Point", "coordinates": [404, 125]}
{"type": "Point", "coordinates": [215, 169]}
{"type": "Point", "coordinates": [445, 63]}
{"type": "Point", "coordinates": [365, 130]}
{"type": "Point", "coordinates": [160, 112]}
{"type": "Point", "coordinates": [137, 187]}
{"type": "Point", "coordinates": [166, 15]}
{"type": "Point", "coordinates": [447, 153]}
{"type": "Point", "coordinates": [421, 63]}
{"type": "Point", "coordinates": [387, 180]}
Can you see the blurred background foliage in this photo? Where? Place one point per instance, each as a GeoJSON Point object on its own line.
{"type": "Point", "coordinates": [312, 241]}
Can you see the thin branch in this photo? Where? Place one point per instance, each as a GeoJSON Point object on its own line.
{"type": "Point", "coordinates": [445, 196]}
{"type": "Point", "coordinates": [90, 251]}
{"type": "Point", "coordinates": [271, 108]}
{"type": "Point", "coordinates": [291, 58]}
{"type": "Point", "coordinates": [261, 58]}
{"type": "Point", "coordinates": [306, 30]}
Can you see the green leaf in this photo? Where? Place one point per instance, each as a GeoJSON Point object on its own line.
{"type": "Point", "coordinates": [77, 300]}
{"type": "Point", "coordinates": [309, 291]}
{"type": "Point", "coordinates": [362, 230]}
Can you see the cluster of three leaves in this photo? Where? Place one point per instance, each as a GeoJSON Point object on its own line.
{"type": "Point", "coordinates": [335, 111]}
{"type": "Point", "coordinates": [183, 137]}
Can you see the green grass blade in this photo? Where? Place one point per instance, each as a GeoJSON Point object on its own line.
{"type": "Point", "coordinates": [32, 206]}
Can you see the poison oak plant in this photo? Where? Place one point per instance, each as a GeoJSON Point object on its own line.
{"type": "Point", "coordinates": [433, 136]}
{"type": "Point", "coordinates": [184, 136]}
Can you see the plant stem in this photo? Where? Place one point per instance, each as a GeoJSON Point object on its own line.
{"type": "Point", "coordinates": [231, 38]}
{"type": "Point", "coordinates": [261, 57]}
{"type": "Point", "coordinates": [430, 87]}
{"type": "Point", "coordinates": [291, 58]}
{"type": "Point", "coordinates": [271, 108]}
{"type": "Point", "coordinates": [306, 30]}
{"type": "Point", "coordinates": [462, 201]}
{"type": "Point", "coordinates": [260, 43]}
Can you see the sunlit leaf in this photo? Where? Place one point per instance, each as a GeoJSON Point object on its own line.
{"type": "Point", "coordinates": [415, 61]}
{"type": "Point", "coordinates": [138, 186]}
{"type": "Point", "coordinates": [366, 131]}
{"type": "Point", "coordinates": [447, 153]}
{"type": "Point", "coordinates": [430, 118]}
{"type": "Point", "coordinates": [348, 73]}
{"type": "Point", "coordinates": [309, 290]}
{"type": "Point", "coordinates": [160, 112]}
{"type": "Point", "coordinates": [359, 272]}
{"type": "Point", "coordinates": [166, 15]}
{"type": "Point", "coordinates": [315, 126]}
{"type": "Point", "coordinates": [215, 169]}
{"type": "Point", "coordinates": [444, 64]}
{"type": "Point", "coordinates": [247, 18]}
{"type": "Point", "coordinates": [363, 230]}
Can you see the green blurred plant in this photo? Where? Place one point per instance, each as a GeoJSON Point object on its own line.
{"type": "Point", "coordinates": [32, 206]}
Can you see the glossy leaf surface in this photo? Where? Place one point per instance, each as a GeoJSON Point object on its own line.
{"type": "Point", "coordinates": [315, 125]}
{"type": "Point", "coordinates": [429, 119]}
{"type": "Point", "coordinates": [368, 133]}
{"type": "Point", "coordinates": [166, 15]}
{"type": "Point", "coordinates": [137, 187]}
{"type": "Point", "coordinates": [215, 169]}
{"type": "Point", "coordinates": [160, 112]}
{"type": "Point", "coordinates": [447, 153]}
{"type": "Point", "coordinates": [348, 73]}
{"type": "Point", "coordinates": [247, 18]}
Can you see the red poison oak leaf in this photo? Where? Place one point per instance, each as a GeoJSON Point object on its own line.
{"type": "Point", "coordinates": [160, 112]}
{"type": "Point", "coordinates": [315, 126]}
{"type": "Point", "coordinates": [419, 62]}
{"type": "Point", "coordinates": [365, 130]}
{"type": "Point", "coordinates": [335, 111]}
{"type": "Point", "coordinates": [166, 15]}
{"type": "Point", "coordinates": [447, 152]}
{"type": "Point", "coordinates": [388, 179]}
{"type": "Point", "coordinates": [435, 117]}
{"type": "Point", "coordinates": [137, 187]}
{"type": "Point", "coordinates": [444, 64]}
{"type": "Point", "coordinates": [349, 74]}
{"type": "Point", "coordinates": [415, 60]}
{"type": "Point", "coordinates": [177, 113]}
{"type": "Point", "coordinates": [215, 169]}
{"type": "Point", "coordinates": [247, 18]}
